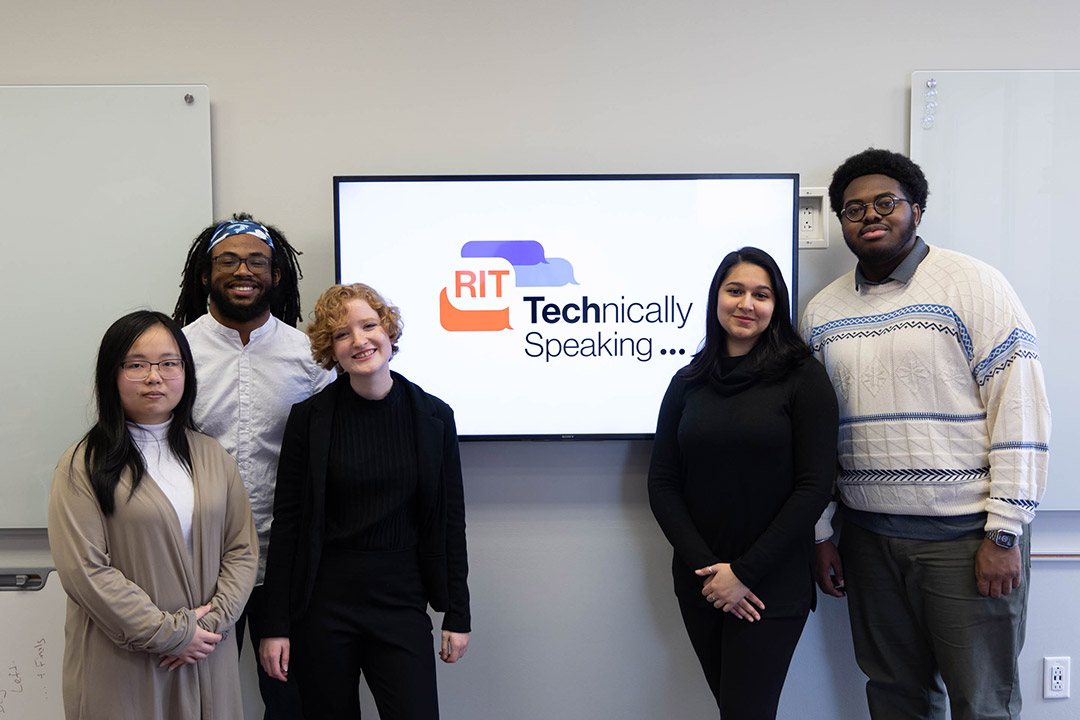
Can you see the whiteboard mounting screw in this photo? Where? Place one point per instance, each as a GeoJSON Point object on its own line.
{"type": "Point", "coordinates": [931, 83]}
{"type": "Point", "coordinates": [189, 98]}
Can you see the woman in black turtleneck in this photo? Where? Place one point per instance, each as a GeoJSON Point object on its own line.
{"type": "Point", "coordinates": [742, 467]}
{"type": "Point", "coordinates": [369, 526]}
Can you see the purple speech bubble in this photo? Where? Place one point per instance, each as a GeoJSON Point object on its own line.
{"type": "Point", "coordinates": [556, 273]}
{"type": "Point", "coordinates": [515, 252]}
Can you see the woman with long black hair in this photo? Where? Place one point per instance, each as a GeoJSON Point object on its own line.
{"type": "Point", "coordinates": [151, 532]}
{"type": "Point", "coordinates": [742, 466]}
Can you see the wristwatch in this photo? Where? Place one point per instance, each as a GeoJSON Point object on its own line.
{"type": "Point", "coordinates": [1002, 538]}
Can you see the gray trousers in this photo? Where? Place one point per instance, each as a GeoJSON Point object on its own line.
{"type": "Point", "coordinates": [922, 630]}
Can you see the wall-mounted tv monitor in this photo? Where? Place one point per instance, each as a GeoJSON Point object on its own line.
{"type": "Point", "coordinates": [554, 306]}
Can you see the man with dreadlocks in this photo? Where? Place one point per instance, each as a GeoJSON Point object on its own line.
{"type": "Point", "coordinates": [239, 305]}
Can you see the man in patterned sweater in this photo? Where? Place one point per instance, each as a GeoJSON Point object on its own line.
{"type": "Point", "coordinates": [944, 431]}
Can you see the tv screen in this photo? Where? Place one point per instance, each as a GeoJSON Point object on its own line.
{"type": "Point", "coordinates": [547, 307]}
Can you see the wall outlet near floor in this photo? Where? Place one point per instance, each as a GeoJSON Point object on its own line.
{"type": "Point", "coordinates": [1056, 677]}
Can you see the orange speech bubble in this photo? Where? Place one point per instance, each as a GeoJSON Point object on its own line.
{"type": "Point", "coordinates": [456, 320]}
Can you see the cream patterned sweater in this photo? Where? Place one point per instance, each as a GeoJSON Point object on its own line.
{"type": "Point", "coordinates": [943, 407]}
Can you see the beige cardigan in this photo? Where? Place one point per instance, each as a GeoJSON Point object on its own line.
{"type": "Point", "coordinates": [132, 589]}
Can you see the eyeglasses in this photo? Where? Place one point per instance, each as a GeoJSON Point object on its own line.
{"type": "Point", "coordinates": [140, 369]}
{"type": "Point", "coordinates": [883, 205]}
{"type": "Point", "coordinates": [229, 262]}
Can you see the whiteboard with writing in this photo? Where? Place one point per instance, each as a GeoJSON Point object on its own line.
{"type": "Point", "coordinates": [32, 651]}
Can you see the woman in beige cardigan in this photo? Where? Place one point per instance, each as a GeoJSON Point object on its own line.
{"type": "Point", "coordinates": [153, 540]}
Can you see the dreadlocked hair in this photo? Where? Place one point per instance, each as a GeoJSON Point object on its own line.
{"type": "Point", "coordinates": [194, 293]}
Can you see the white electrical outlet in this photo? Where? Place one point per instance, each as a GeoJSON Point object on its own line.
{"type": "Point", "coordinates": [813, 220]}
{"type": "Point", "coordinates": [1056, 677]}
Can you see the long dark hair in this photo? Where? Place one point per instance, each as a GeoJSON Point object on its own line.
{"type": "Point", "coordinates": [194, 293]}
{"type": "Point", "coordinates": [110, 449]}
{"type": "Point", "coordinates": [778, 349]}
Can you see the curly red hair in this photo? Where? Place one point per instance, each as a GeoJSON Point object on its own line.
{"type": "Point", "coordinates": [331, 314]}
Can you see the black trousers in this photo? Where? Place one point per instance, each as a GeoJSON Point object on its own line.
{"type": "Point", "coordinates": [282, 699]}
{"type": "Point", "coordinates": [745, 663]}
{"type": "Point", "coordinates": [368, 615]}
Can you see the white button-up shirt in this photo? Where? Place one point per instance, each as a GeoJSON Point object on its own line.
{"type": "Point", "coordinates": [244, 397]}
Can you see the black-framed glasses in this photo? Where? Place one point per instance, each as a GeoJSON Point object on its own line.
{"type": "Point", "coordinates": [229, 262]}
{"type": "Point", "coordinates": [883, 205]}
{"type": "Point", "coordinates": [140, 369]}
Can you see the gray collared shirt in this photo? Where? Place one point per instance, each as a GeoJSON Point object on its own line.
{"type": "Point", "coordinates": [904, 271]}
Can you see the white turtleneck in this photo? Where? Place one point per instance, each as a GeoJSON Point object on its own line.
{"type": "Point", "coordinates": [167, 472]}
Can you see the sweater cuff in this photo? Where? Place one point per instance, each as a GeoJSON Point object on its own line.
{"type": "Point", "coordinates": [823, 529]}
{"type": "Point", "coordinates": [453, 622]}
{"type": "Point", "coordinates": [1000, 522]}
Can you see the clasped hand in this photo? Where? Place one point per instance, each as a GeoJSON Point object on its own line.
{"type": "Point", "coordinates": [726, 592]}
{"type": "Point", "coordinates": [200, 647]}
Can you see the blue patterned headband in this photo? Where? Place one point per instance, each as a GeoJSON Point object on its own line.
{"type": "Point", "coordinates": [239, 227]}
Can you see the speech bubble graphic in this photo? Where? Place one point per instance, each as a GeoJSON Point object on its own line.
{"type": "Point", "coordinates": [456, 320]}
{"type": "Point", "coordinates": [556, 273]}
{"type": "Point", "coordinates": [516, 252]}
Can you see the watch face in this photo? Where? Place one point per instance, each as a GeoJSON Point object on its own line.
{"type": "Point", "coordinates": [1003, 538]}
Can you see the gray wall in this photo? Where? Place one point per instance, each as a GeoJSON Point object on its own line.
{"type": "Point", "coordinates": [573, 612]}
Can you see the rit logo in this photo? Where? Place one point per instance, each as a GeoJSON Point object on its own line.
{"type": "Point", "coordinates": [477, 283]}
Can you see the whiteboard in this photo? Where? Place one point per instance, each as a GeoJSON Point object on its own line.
{"type": "Point", "coordinates": [1001, 150]}
{"type": "Point", "coordinates": [32, 650]}
{"type": "Point", "coordinates": [102, 189]}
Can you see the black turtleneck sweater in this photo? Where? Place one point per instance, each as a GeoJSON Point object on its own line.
{"type": "Point", "coordinates": [741, 470]}
{"type": "Point", "coordinates": [371, 476]}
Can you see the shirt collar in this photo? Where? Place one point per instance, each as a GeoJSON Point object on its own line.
{"type": "Point", "coordinates": [904, 271]}
{"type": "Point", "coordinates": [233, 333]}
{"type": "Point", "coordinates": [142, 433]}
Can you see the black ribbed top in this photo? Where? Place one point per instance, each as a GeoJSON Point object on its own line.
{"type": "Point", "coordinates": [371, 477]}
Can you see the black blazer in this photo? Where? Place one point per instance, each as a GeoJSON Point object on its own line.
{"type": "Point", "coordinates": [296, 536]}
